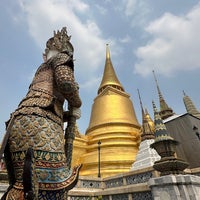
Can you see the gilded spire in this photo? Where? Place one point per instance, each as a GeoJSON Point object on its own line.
{"type": "Point", "coordinates": [109, 76]}
{"type": "Point", "coordinates": [165, 110]}
{"type": "Point", "coordinates": [113, 122]}
{"type": "Point", "coordinates": [190, 107]}
{"type": "Point", "coordinates": [149, 120]}
{"type": "Point", "coordinates": [107, 52]}
{"type": "Point", "coordinates": [147, 132]}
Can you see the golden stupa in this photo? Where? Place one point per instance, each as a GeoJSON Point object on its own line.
{"type": "Point", "coordinates": [113, 123]}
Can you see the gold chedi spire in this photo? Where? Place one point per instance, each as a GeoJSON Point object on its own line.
{"type": "Point", "coordinates": [113, 123]}
{"type": "Point", "coordinates": [190, 107]}
{"type": "Point", "coordinates": [165, 110]}
{"type": "Point", "coordinates": [147, 123]}
{"type": "Point", "coordinates": [109, 75]}
{"type": "Point", "coordinates": [149, 120]}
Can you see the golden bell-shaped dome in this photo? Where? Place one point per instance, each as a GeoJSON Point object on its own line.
{"type": "Point", "coordinates": [113, 122]}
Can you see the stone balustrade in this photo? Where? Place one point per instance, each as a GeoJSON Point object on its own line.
{"type": "Point", "coordinates": [128, 186]}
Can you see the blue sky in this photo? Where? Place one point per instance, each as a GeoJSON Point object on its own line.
{"type": "Point", "coordinates": [142, 35]}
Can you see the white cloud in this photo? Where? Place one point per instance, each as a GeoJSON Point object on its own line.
{"type": "Point", "coordinates": [175, 44]}
{"type": "Point", "coordinates": [137, 10]}
{"type": "Point", "coordinates": [77, 5]}
{"type": "Point", "coordinates": [126, 39]}
{"type": "Point", "coordinates": [94, 82]}
{"type": "Point", "coordinates": [44, 16]}
{"type": "Point", "coordinates": [101, 9]}
{"type": "Point", "coordinates": [130, 7]}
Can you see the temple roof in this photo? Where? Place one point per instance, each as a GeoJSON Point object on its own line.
{"type": "Point", "coordinates": [112, 104]}
{"type": "Point", "coordinates": [190, 107]}
{"type": "Point", "coordinates": [109, 75]}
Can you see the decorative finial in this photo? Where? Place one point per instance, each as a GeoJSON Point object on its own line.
{"type": "Point", "coordinates": [141, 103]}
{"type": "Point", "coordinates": [184, 93]}
{"type": "Point", "coordinates": [160, 128]}
{"type": "Point", "coordinates": [107, 51]}
{"type": "Point", "coordinates": [159, 92]}
{"type": "Point", "coordinates": [165, 110]}
{"type": "Point", "coordinates": [165, 145]}
{"type": "Point", "coordinates": [146, 128]}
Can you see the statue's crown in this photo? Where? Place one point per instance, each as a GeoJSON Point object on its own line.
{"type": "Point", "coordinates": [60, 42]}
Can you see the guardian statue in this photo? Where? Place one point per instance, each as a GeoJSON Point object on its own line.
{"type": "Point", "coordinates": [36, 151]}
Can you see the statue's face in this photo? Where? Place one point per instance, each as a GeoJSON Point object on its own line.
{"type": "Point", "coordinates": [51, 53]}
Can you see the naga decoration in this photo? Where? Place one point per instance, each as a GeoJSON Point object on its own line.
{"type": "Point", "coordinates": [36, 151]}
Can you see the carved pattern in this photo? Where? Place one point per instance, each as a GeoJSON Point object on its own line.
{"type": "Point", "coordinates": [52, 175]}
{"type": "Point", "coordinates": [142, 196]}
{"type": "Point", "coordinates": [90, 184]}
{"type": "Point", "coordinates": [69, 138]}
{"type": "Point", "coordinates": [72, 178]}
{"type": "Point", "coordinates": [37, 111]}
{"type": "Point", "coordinates": [114, 183]}
{"type": "Point", "coordinates": [80, 197]}
{"type": "Point", "coordinates": [138, 178]}
{"type": "Point", "coordinates": [37, 132]}
{"type": "Point", "coordinates": [120, 197]}
{"type": "Point", "coordinates": [16, 194]}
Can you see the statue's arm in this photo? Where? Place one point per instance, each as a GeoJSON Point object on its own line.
{"type": "Point", "coordinates": [65, 81]}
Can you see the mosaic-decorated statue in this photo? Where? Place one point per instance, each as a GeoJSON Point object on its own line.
{"type": "Point", "coordinates": [36, 151]}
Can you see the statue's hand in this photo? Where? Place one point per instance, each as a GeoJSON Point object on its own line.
{"type": "Point", "coordinates": [76, 112]}
{"type": "Point", "coordinates": [76, 85]}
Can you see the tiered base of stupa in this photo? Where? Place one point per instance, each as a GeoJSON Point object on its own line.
{"type": "Point", "coordinates": [146, 156]}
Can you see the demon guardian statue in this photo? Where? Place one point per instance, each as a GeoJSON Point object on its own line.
{"type": "Point", "coordinates": [34, 144]}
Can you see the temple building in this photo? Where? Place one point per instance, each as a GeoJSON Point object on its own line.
{"type": "Point", "coordinates": [122, 159]}
{"type": "Point", "coordinates": [184, 128]}
{"type": "Point", "coordinates": [113, 129]}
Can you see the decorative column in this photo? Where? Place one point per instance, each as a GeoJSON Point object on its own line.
{"type": "Point", "coordinates": [99, 159]}
{"type": "Point", "coordinates": [165, 146]}
{"type": "Point", "coordinates": [173, 183]}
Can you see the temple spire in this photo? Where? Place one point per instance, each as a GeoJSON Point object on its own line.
{"type": "Point", "coordinates": [113, 122]}
{"type": "Point", "coordinates": [107, 52]}
{"type": "Point", "coordinates": [147, 132]}
{"type": "Point", "coordinates": [189, 105]}
{"type": "Point", "coordinates": [146, 156]}
{"type": "Point", "coordinates": [165, 146]}
{"type": "Point", "coordinates": [109, 76]}
{"type": "Point", "coordinates": [165, 110]}
{"type": "Point", "coordinates": [143, 114]}
{"type": "Point", "coordinates": [160, 128]}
